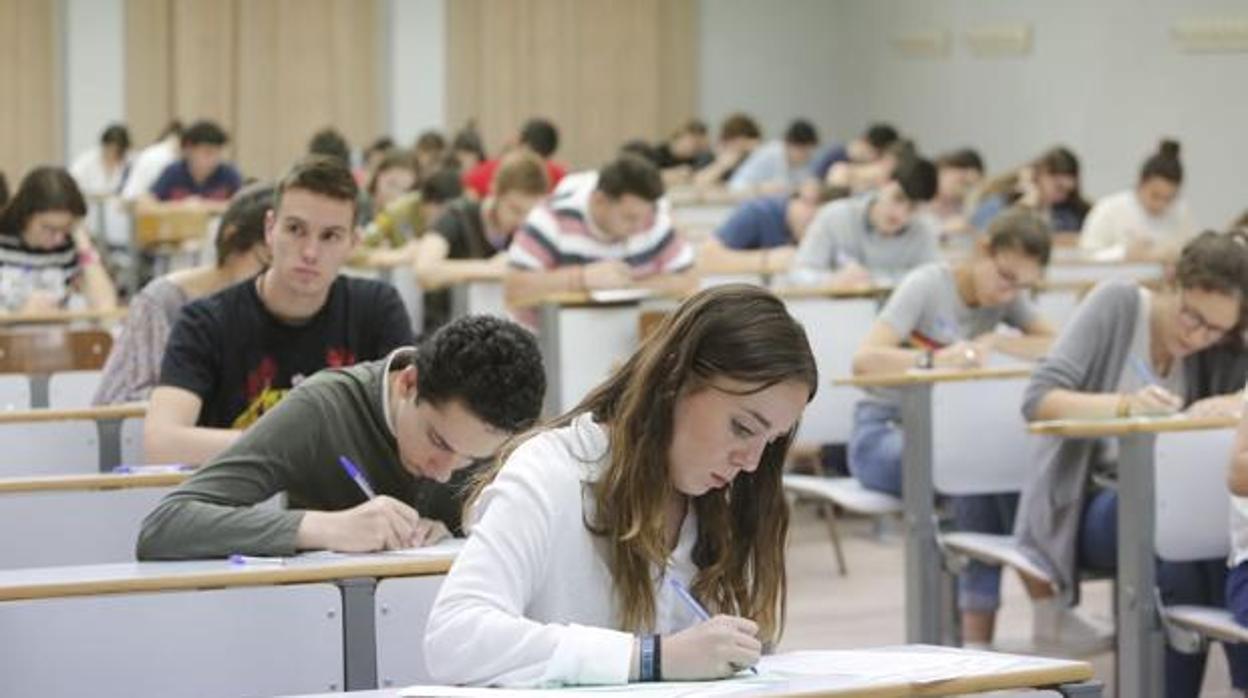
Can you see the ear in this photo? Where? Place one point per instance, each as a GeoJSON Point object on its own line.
{"type": "Point", "coordinates": [407, 382]}
{"type": "Point", "coordinates": [270, 226]}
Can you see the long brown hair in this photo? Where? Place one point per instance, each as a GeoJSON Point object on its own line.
{"type": "Point", "coordinates": [734, 331]}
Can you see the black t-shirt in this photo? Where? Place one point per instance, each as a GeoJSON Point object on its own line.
{"type": "Point", "coordinates": [462, 225]}
{"type": "Point", "coordinates": [667, 159]}
{"type": "Point", "coordinates": [240, 360]}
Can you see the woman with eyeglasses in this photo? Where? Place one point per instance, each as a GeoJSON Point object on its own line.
{"type": "Point", "coordinates": [1129, 352]}
{"type": "Point", "coordinates": [45, 254]}
{"type": "Point", "coordinates": [945, 316]}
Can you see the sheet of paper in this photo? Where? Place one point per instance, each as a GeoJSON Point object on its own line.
{"type": "Point", "coordinates": [619, 295]}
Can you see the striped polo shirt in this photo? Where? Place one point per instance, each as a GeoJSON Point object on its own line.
{"type": "Point", "coordinates": [560, 232]}
{"type": "Point", "coordinates": [25, 270]}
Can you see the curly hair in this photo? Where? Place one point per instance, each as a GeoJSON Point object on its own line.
{"type": "Point", "coordinates": [491, 364]}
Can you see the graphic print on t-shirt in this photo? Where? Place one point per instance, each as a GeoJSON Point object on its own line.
{"type": "Point", "coordinates": [262, 396]}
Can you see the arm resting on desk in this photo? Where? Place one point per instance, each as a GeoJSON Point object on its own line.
{"type": "Point", "coordinates": [434, 271]}
{"type": "Point", "coordinates": [170, 434]}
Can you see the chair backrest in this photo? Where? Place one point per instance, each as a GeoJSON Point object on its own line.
{"type": "Point", "coordinates": [14, 391]}
{"type": "Point", "coordinates": [1193, 504]}
{"type": "Point", "coordinates": [834, 327]}
{"type": "Point", "coordinates": [72, 389]}
{"type": "Point", "coordinates": [170, 227]}
{"type": "Point", "coordinates": [980, 440]}
{"type": "Point", "coordinates": [49, 448]}
{"type": "Point", "coordinates": [52, 349]}
{"type": "Point", "coordinates": [132, 441]}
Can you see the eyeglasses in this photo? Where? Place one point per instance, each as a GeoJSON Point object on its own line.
{"type": "Point", "coordinates": [1193, 321]}
{"type": "Point", "coordinates": [1010, 279]}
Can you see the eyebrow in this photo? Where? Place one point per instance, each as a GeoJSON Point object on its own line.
{"type": "Point", "coordinates": [446, 445]}
{"type": "Point", "coordinates": [332, 228]}
{"type": "Point", "coordinates": [763, 420]}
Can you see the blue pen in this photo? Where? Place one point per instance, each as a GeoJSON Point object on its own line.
{"type": "Point", "coordinates": [693, 605]}
{"type": "Point", "coordinates": [237, 559]}
{"type": "Point", "coordinates": [1143, 371]}
{"type": "Point", "coordinates": [353, 472]}
{"type": "Point", "coordinates": [148, 469]}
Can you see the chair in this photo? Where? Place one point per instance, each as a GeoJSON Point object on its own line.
{"type": "Point", "coordinates": [72, 389]}
{"type": "Point", "coordinates": [50, 448]}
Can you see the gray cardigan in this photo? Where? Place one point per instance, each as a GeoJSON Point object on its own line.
{"type": "Point", "coordinates": [1088, 357]}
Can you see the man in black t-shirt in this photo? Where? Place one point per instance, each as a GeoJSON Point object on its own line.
{"type": "Point", "coordinates": [234, 354]}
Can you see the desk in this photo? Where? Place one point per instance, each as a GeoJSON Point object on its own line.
{"type": "Point", "coordinates": [998, 672]}
{"type": "Point", "coordinates": [65, 317]}
{"type": "Point", "coordinates": [73, 441]}
{"type": "Point", "coordinates": [1141, 642]}
{"type": "Point", "coordinates": [482, 295]}
{"type": "Point", "coordinates": [1090, 270]}
{"type": "Point", "coordinates": [232, 630]}
{"type": "Point", "coordinates": [76, 519]}
{"type": "Point", "coordinates": [924, 581]}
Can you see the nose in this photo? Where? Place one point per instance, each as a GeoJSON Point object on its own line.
{"type": "Point", "coordinates": [748, 457]}
{"type": "Point", "coordinates": [311, 249]}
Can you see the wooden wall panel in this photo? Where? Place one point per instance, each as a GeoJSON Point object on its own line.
{"type": "Point", "coordinates": [148, 81]}
{"type": "Point", "coordinates": [204, 60]}
{"type": "Point", "coordinates": [31, 121]}
{"type": "Point", "coordinates": [604, 70]}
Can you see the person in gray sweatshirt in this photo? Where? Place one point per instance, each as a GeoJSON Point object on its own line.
{"type": "Point", "coordinates": [1130, 352]}
{"type": "Point", "coordinates": [412, 423]}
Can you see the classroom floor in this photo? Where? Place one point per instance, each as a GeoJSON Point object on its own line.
{"type": "Point", "coordinates": [866, 607]}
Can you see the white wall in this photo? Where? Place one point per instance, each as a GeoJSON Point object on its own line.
{"type": "Point", "coordinates": [416, 85]}
{"type": "Point", "coordinates": [1103, 77]}
{"type": "Point", "coordinates": [94, 70]}
{"type": "Point", "coordinates": [776, 60]}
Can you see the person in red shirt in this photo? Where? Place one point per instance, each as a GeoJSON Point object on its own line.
{"type": "Point", "coordinates": [539, 136]}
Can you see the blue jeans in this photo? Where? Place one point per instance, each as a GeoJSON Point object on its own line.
{"type": "Point", "coordinates": [875, 445]}
{"type": "Point", "coordinates": [1204, 582]}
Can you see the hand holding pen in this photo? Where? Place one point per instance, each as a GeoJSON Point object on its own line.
{"type": "Point", "coordinates": [1151, 399]}
{"type": "Point", "coordinates": [716, 647]}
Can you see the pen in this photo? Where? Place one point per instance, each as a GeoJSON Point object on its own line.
{"type": "Point", "coordinates": [237, 559]}
{"type": "Point", "coordinates": [164, 468]}
{"type": "Point", "coordinates": [693, 605]}
{"type": "Point", "coordinates": [1143, 372]}
{"type": "Point", "coordinates": [353, 472]}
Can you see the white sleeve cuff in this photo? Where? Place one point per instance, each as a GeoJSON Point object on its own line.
{"type": "Point", "coordinates": [589, 656]}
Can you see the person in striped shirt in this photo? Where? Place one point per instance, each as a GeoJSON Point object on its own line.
{"type": "Point", "coordinates": [608, 229]}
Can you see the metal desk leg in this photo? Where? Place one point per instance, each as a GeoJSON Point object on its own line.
{"type": "Point", "coordinates": [459, 300]}
{"type": "Point", "coordinates": [548, 341]}
{"type": "Point", "coordinates": [1086, 689]}
{"type": "Point", "coordinates": [923, 564]}
{"type": "Point", "coordinates": [359, 633]}
{"type": "Point", "coordinates": [1140, 639]}
{"type": "Point", "coordinates": [109, 431]}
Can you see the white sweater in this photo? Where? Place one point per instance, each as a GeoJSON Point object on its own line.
{"type": "Point", "coordinates": [530, 600]}
{"type": "Point", "coordinates": [1239, 519]}
{"type": "Point", "coordinates": [1118, 219]}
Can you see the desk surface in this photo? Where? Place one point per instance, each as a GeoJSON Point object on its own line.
{"type": "Point", "coordinates": [131, 577]}
{"type": "Point", "coordinates": [101, 481]}
{"type": "Point", "coordinates": [1009, 672]}
{"type": "Point", "coordinates": [1089, 428]}
{"type": "Point", "coordinates": [936, 375]}
{"type": "Point", "coordinates": [122, 411]}
{"type": "Point", "coordinates": [56, 317]}
{"type": "Point", "coordinates": [832, 292]}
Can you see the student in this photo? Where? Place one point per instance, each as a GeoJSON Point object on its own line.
{"type": "Point", "coordinates": [600, 230]}
{"type": "Point", "coordinates": [373, 155]}
{"type": "Point", "coordinates": [393, 232]}
{"type": "Point", "coordinates": [200, 173]}
{"type": "Point", "coordinates": [1149, 222]}
{"type": "Point", "coordinates": [866, 148]}
{"type": "Point", "coordinates": [234, 354]}
{"type": "Point", "coordinates": [1240, 223]}
{"type": "Point", "coordinates": [1237, 579]}
{"type": "Point", "coordinates": [330, 143]}
{"type": "Point", "coordinates": [686, 150]}
{"type": "Point", "coordinates": [396, 175]}
{"type": "Point", "coordinates": [761, 233]}
{"type": "Point", "coordinates": [101, 170]}
{"type": "Point", "coordinates": [470, 238]}
{"type": "Point", "coordinates": [739, 135]}
{"type": "Point", "coordinates": [876, 237]}
{"type": "Point", "coordinates": [779, 165]}
{"type": "Point", "coordinates": [467, 150]}
{"type": "Point", "coordinates": [430, 151]}
{"type": "Point", "coordinates": [1049, 185]}
{"type": "Point", "coordinates": [958, 174]}
{"type": "Point", "coordinates": [669, 473]}
{"type": "Point", "coordinates": [148, 165]}
{"type": "Point", "coordinates": [538, 136]}
{"type": "Point", "coordinates": [133, 365]}
{"type": "Point", "coordinates": [410, 422]}
{"type": "Point", "coordinates": [946, 316]}
{"type": "Point", "coordinates": [1184, 336]}
{"type": "Point", "coordinates": [45, 254]}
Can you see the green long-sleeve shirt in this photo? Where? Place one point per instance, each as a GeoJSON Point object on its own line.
{"type": "Point", "coordinates": [293, 449]}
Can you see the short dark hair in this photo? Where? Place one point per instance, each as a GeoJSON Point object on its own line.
{"type": "Point", "coordinates": [739, 125]}
{"type": "Point", "coordinates": [491, 365]}
{"type": "Point", "coordinates": [330, 143]}
{"type": "Point", "coordinates": [116, 135]}
{"type": "Point", "coordinates": [1164, 163]}
{"type": "Point", "coordinates": [427, 141]}
{"type": "Point", "coordinates": [173, 128]}
{"type": "Point", "coordinates": [469, 140]}
{"type": "Point", "coordinates": [1022, 231]}
{"type": "Point", "coordinates": [393, 160]}
{"type": "Point", "coordinates": [801, 132]}
{"type": "Point", "coordinates": [641, 149]}
{"type": "Point", "coordinates": [383, 143]}
{"type": "Point", "coordinates": [4, 190]}
{"type": "Point", "coordinates": [320, 175]}
{"type": "Point", "coordinates": [540, 135]}
{"type": "Point", "coordinates": [204, 133]}
{"type": "Point", "coordinates": [880, 135]}
{"type": "Point", "coordinates": [962, 159]}
{"type": "Point", "coordinates": [630, 174]}
{"type": "Point", "coordinates": [1216, 262]}
{"type": "Point", "coordinates": [440, 187]}
{"type": "Point", "coordinates": [242, 224]}
{"type": "Point", "coordinates": [917, 178]}
{"type": "Point", "coordinates": [42, 189]}
{"type": "Point", "coordinates": [695, 127]}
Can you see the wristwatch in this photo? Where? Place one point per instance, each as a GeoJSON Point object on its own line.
{"type": "Point", "coordinates": [925, 359]}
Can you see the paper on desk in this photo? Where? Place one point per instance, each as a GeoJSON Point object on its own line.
{"type": "Point", "coordinates": [619, 295]}
{"type": "Point", "coordinates": [449, 547]}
